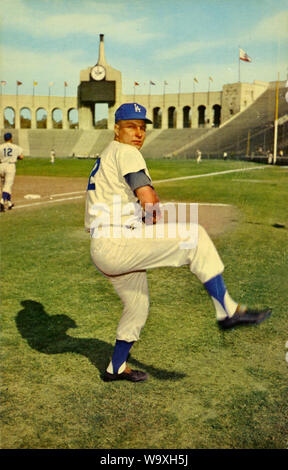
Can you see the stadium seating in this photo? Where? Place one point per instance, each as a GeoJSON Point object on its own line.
{"type": "Point", "coordinates": [248, 130]}
{"type": "Point", "coordinates": [169, 140]}
{"type": "Point", "coordinates": [251, 124]}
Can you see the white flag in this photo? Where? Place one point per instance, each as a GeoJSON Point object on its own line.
{"type": "Point", "coordinates": [244, 56]}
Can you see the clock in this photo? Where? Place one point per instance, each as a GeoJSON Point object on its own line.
{"type": "Point", "coordinates": [98, 72]}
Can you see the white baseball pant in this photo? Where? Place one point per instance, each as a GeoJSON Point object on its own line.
{"type": "Point", "coordinates": [126, 260]}
{"type": "Point", "coordinates": [7, 173]}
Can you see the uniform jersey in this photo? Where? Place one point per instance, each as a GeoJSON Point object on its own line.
{"type": "Point", "coordinates": [109, 197]}
{"type": "Point", "coordinates": [9, 152]}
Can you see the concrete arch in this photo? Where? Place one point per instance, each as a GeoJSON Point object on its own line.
{"type": "Point", "coordinates": [216, 115]}
{"type": "Point", "coordinates": [157, 118]}
{"type": "Point", "coordinates": [172, 117]}
{"type": "Point", "coordinates": [201, 115]}
{"type": "Point", "coordinates": [25, 118]}
{"type": "Point", "coordinates": [57, 118]}
{"type": "Point", "coordinates": [187, 117]}
{"type": "Point", "coordinates": [73, 118]}
{"type": "Point", "coordinates": [9, 115]}
{"type": "Point", "coordinates": [41, 118]}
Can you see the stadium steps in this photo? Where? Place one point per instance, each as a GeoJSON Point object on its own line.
{"type": "Point", "coordinates": [169, 140]}
{"type": "Point", "coordinates": [41, 141]}
{"type": "Point", "coordinates": [104, 137]}
{"type": "Point", "coordinates": [23, 139]}
{"type": "Point", "coordinates": [151, 135]}
{"type": "Point", "coordinates": [232, 136]}
{"type": "Point", "coordinates": [84, 145]}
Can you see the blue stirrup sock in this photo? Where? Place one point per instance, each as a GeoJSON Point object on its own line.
{"type": "Point", "coordinates": [224, 304]}
{"type": "Point", "coordinates": [119, 357]}
{"type": "Point", "coordinates": [5, 197]}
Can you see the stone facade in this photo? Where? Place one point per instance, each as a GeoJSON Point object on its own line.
{"type": "Point", "coordinates": [34, 104]}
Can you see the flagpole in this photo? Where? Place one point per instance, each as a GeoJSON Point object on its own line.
{"type": "Point", "coordinates": [239, 61]}
{"type": "Point", "coordinates": [208, 91]}
{"type": "Point", "coordinates": [276, 121]}
{"type": "Point", "coordinates": [164, 94]}
{"type": "Point", "coordinates": [149, 94]}
{"type": "Point", "coordinates": [134, 93]}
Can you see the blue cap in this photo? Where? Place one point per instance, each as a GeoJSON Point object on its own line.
{"type": "Point", "coordinates": [131, 111]}
{"type": "Point", "coordinates": [7, 136]}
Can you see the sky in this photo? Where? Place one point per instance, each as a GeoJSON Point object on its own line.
{"type": "Point", "coordinates": [176, 41]}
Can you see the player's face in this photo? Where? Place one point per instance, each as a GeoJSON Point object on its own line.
{"type": "Point", "coordinates": [131, 132]}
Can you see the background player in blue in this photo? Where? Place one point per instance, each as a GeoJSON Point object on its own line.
{"type": "Point", "coordinates": [124, 242]}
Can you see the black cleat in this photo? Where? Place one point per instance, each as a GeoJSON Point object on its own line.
{"type": "Point", "coordinates": [10, 207]}
{"type": "Point", "coordinates": [128, 374]}
{"type": "Point", "coordinates": [245, 317]}
{"type": "Point", "coordinates": [2, 208]}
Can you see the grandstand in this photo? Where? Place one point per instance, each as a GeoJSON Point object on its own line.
{"type": "Point", "coordinates": [250, 132]}
{"type": "Point", "coordinates": [169, 140]}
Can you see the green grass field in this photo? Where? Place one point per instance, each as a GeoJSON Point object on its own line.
{"type": "Point", "coordinates": [207, 389]}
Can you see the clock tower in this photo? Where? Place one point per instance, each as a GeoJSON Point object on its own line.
{"type": "Point", "coordinates": [98, 84]}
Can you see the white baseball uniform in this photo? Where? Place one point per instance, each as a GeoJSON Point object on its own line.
{"type": "Point", "coordinates": [8, 158]}
{"type": "Point", "coordinates": [52, 156]}
{"type": "Point", "coordinates": [123, 247]}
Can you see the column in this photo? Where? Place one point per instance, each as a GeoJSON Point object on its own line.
{"type": "Point", "coordinates": [85, 118]}
{"type": "Point", "coordinates": [33, 118]}
{"type": "Point", "coordinates": [179, 118]}
{"type": "Point", "coordinates": [65, 122]}
{"type": "Point", "coordinates": [164, 118]}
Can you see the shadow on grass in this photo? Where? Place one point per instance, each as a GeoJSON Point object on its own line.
{"type": "Point", "coordinates": [47, 334]}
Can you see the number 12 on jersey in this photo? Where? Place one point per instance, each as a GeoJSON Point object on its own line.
{"type": "Point", "coordinates": [7, 152]}
{"type": "Point", "coordinates": [91, 186]}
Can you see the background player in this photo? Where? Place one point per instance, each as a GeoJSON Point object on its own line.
{"type": "Point", "coordinates": [9, 154]}
{"type": "Point", "coordinates": [122, 247]}
{"type": "Point", "coordinates": [52, 156]}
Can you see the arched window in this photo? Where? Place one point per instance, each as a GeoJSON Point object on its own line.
{"type": "Point", "coordinates": [25, 118]}
{"type": "Point", "coordinates": [172, 117]}
{"type": "Point", "coordinates": [41, 118]}
{"type": "Point", "coordinates": [201, 116]}
{"type": "Point", "coordinates": [73, 118]}
{"type": "Point", "coordinates": [217, 115]}
{"type": "Point", "coordinates": [57, 122]}
{"type": "Point", "coordinates": [157, 118]}
{"type": "Point", "coordinates": [9, 118]}
{"type": "Point", "coordinates": [186, 116]}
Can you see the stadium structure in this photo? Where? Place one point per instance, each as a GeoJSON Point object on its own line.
{"type": "Point", "coordinates": [239, 121]}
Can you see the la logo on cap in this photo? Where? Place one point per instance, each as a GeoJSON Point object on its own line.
{"type": "Point", "coordinates": [137, 108]}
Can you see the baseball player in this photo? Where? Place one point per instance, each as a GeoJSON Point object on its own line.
{"type": "Point", "coordinates": [9, 154]}
{"type": "Point", "coordinates": [198, 156]}
{"type": "Point", "coordinates": [123, 214]}
{"type": "Point", "coordinates": [52, 156]}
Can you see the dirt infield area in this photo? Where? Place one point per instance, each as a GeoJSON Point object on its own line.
{"type": "Point", "coordinates": [33, 191]}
